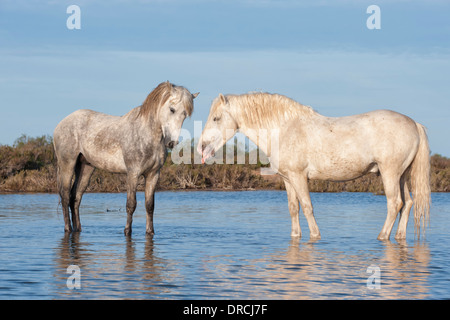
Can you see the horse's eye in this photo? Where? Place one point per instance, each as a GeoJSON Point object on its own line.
{"type": "Point", "coordinates": [172, 110]}
{"type": "Point", "coordinates": [216, 119]}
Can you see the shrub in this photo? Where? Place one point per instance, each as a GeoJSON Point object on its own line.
{"type": "Point", "coordinates": [29, 165]}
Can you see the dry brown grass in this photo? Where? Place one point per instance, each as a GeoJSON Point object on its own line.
{"type": "Point", "coordinates": [29, 166]}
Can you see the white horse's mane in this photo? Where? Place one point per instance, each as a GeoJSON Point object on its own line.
{"type": "Point", "coordinates": [266, 109]}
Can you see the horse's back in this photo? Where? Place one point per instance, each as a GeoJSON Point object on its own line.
{"type": "Point", "coordinates": [345, 148]}
{"type": "Point", "coordinates": [378, 131]}
{"type": "Point", "coordinates": [84, 117]}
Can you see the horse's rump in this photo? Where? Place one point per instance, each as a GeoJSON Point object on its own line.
{"type": "Point", "coordinates": [93, 134]}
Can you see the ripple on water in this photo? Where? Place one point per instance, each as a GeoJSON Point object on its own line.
{"type": "Point", "coordinates": [219, 245]}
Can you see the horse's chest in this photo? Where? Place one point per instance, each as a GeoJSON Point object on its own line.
{"type": "Point", "coordinates": [155, 159]}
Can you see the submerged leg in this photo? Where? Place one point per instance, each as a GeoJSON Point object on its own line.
{"type": "Point", "coordinates": [64, 178]}
{"type": "Point", "coordinates": [300, 184]}
{"type": "Point", "coordinates": [83, 172]}
{"type": "Point", "coordinates": [293, 210]}
{"type": "Point", "coordinates": [132, 180]}
{"type": "Point", "coordinates": [404, 213]}
{"type": "Point", "coordinates": [394, 203]}
{"type": "Point", "coordinates": [151, 179]}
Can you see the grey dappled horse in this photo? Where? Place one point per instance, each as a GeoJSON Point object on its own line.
{"type": "Point", "coordinates": [134, 144]}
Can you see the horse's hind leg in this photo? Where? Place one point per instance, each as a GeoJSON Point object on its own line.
{"type": "Point", "coordinates": [391, 184]}
{"type": "Point", "coordinates": [83, 172]}
{"type": "Point", "coordinates": [404, 214]}
{"type": "Point", "coordinates": [65, 174]}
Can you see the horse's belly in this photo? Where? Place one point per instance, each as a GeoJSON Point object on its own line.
{"type": "Point", "coordinates": [341, 172]}
{"type": "Point", "coordinates": [111, 161]}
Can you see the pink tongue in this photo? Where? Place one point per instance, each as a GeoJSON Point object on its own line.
{"type": "Point", "coordinates": [203, 160]}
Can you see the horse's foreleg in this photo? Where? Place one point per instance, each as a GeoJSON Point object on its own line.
{"type": "Point", "coordinates": [394, 204]}
{"type": "Point", "coordinates": [300, 184]}
{"type": "Point", "coordinates": [132, 181]}
{"type": "Point", "coordinates": [151, 179]}
{"type": "Point", "coordinates": [293, 209]}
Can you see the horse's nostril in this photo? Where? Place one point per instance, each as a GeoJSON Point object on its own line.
{"type": "Point", "coordinates": [203, 146]}
{"type": "Point", "coordinates": [171, 144]}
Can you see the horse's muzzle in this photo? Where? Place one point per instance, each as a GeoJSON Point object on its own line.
{"type": "Point", "coordinates": [207, 151]}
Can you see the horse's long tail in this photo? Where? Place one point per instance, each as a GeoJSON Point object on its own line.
{"type": "Point", "coordinates": [58, 176]}
{"type": "Point", "coordinates": [420, 182]}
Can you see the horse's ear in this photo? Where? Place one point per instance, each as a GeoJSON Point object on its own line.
{"type": "Point", "coordinates": [223, 98]}
{"type": "Point", "coordinates": [169, 85]}
{"type": "Point", "coordinates": [195, 95]}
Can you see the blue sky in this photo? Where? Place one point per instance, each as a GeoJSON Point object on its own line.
{"type": "Point", "coordinates": [319, 53]}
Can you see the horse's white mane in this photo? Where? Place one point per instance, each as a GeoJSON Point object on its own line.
{"type": "Point", "coordinates": [266, 109]}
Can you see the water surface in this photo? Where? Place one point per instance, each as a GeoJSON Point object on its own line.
{"type": "Point", "coordinates": [219, 245]}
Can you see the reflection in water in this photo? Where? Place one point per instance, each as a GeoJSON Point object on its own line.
{"type": "Point", "coordinates": [105, 274]}
{"type": "Point", "coordinates": [305, 271]}
{"type": "Point", "coordinates": [226, 245]}
{"type": "Point", "coordinates": [405, 270]}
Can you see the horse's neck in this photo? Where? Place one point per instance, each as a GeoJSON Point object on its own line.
{"type": "Point", "coordinates": [265, 137]}
{"type": "Point", "coordinates": [147, 124]}
{"type": "Point", "coordinates": [132, 114]}
{"type": "Point", "coordinates": [259, 136]}
{"type": "Point", "coordinates": [265, 134]}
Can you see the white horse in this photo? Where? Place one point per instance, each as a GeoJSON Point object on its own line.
{"type": "Point", "coordinates": [312, 146]}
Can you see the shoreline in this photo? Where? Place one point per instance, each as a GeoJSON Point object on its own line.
{"type": "Point", "coordinates": [198, 190]}
{"type": "Point", "coordinates": [30, 167]}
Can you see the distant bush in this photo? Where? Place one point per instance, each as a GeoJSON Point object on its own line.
{"type": "Point", "coordinates": [440, 173]}
{"type": "Point", "coordinates": [26, 154]}
{"type": "Point", "coordinates": [29, 165]}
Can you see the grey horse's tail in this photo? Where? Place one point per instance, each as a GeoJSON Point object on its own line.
{"type": "Point", "coordinates": [58, 178]}
{"type": "Point", "coordinates": [420, 183]}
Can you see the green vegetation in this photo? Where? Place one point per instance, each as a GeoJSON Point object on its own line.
{"type": "Point", "coordinates": [29, 165]}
